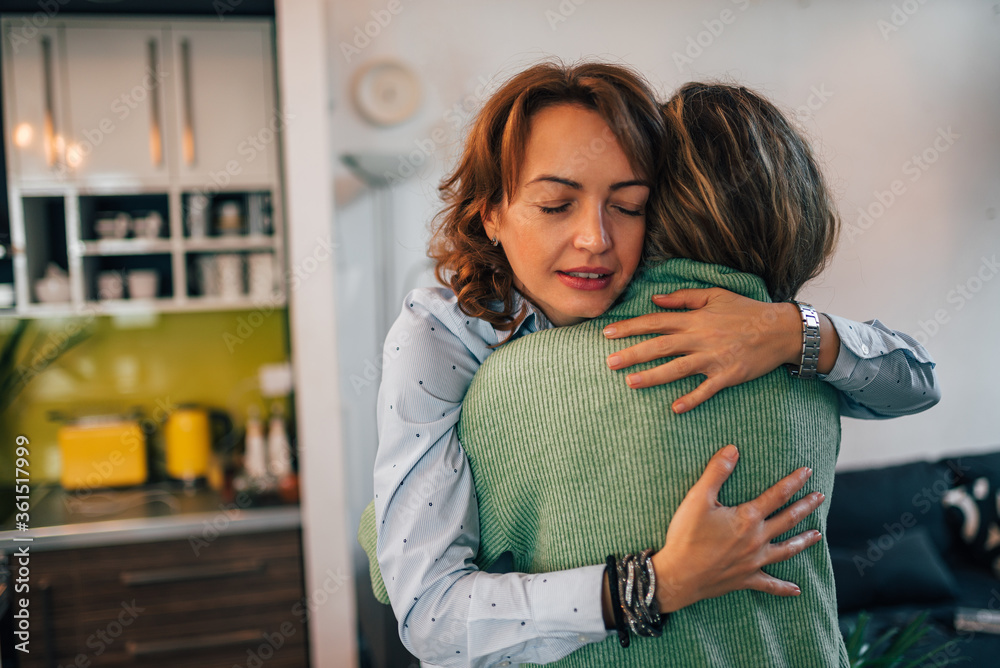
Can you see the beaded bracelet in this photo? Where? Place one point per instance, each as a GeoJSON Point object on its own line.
{"type": "Point", "coordinates": [634, 598]}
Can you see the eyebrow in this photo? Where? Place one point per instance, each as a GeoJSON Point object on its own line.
{"type": "Point", "coordinates": [578, 186]}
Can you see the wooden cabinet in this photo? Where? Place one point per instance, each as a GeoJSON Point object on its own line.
{"type": "Point", "coordinates": [171, 604]}
{"type": "Point", "coordinates": [36, 118]}
{"type": "Point", "coordinates": [118, 104]}
{"type": "Point", "coordinates": [226, 121]}
{"type": "Point", "coordinates": [136, 104]}
{"type": "Point", "coordinates": [170, 125]}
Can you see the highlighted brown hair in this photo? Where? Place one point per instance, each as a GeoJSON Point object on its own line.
{"type": "Point", "coordinates": [489, 168]}
{"type": "Point", "coordinates": [741, 188]}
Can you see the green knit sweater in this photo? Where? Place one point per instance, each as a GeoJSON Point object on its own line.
{"type": "Point", "coordinates": [571, 465]}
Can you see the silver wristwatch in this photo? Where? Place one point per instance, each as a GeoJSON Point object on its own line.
{"type": "Point", "coordinates": [810, 342]}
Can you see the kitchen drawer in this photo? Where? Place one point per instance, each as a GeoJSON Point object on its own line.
{"type": "Point", "coordinates": [154, 604]}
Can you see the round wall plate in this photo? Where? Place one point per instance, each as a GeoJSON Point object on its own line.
{"type": "Point", "coordinates": [386, 92]}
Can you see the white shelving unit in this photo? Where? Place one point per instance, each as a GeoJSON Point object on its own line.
{"type": "Point", "coordinates": [125, 115]}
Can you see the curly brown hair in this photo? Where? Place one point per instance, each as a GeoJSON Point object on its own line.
{"type": "Point", "coordinates": [741, 188]}
{"type": "Point", "coordinates": [489, 168]}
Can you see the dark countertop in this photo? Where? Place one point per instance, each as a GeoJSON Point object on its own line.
{"type": "Point", "coordinates": [61, 519]}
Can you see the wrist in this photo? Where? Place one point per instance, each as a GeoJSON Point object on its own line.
{"type": "Point", "coordinates": [609, 616]}
{"type": "Point", "coordinates": [790, 332]}
{"type": "Point", "coordinates": [670, 591]}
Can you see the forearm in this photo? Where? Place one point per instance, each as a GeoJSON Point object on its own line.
{"type": "Point", "coordinates": [881, 373]}
{"type": "Point", "coordinates": [475, 618]}
{"type": "Point", "coordinates": [451, 613]}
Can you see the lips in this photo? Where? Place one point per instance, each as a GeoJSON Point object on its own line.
{"type": "Point", "coordinates": [586, 278]}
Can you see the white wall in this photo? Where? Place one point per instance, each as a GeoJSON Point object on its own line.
{"type": "Point", "coordinates": [886, 95]}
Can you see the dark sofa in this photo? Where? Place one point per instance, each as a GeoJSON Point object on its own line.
{"type": "Point", "coordinates": [896, 551]}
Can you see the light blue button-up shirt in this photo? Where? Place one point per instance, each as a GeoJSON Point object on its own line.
{"type": "Point", "coordinates": [427, 517]}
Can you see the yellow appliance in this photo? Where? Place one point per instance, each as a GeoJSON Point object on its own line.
{"type": "Point", "coordinates": [188, 437]}
{"type": "Point", "coordinates": [106, 452]}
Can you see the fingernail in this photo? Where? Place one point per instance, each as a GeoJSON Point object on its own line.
{"type": "Point", "coordinates": [610, 330]}
{"type": "Point", "coordinates": [797, 590]}
{"type": "Point", "coordinates": [633, 379]}
{"type": "Point", "coordinates": [817, 534]}
{"type": "Point", "coordinates": [730, 452]}
{"type": "Point", "coordinates": [808, 472]}
{"type": "Point", "coordinates": [614, 361]}
{"type": "Point", "coordinates": [679, 407]}
{"type": "Point", "coordinates": [821, 496]}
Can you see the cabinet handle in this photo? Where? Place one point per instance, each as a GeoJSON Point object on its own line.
{"type": "Point", "coordinates": [50, 117]}
{"type": "Point", "coordinates": [207, 641]}
{"type": "Point", "coordinates": [207, 572]}
{"type": "Point", "coordinates": [187, 141]}
{"type": "Point", "coordinates": [155, 136]}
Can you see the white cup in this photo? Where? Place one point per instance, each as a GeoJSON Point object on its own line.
{"type": "Point", "coordinates": [110, 285]}
{"type": "Point", "coordinates": [113, 225]}
{"type": "Point", "coordinates": [208, 276]}
{"type": "Point", "coordinates": [230, 270]}
{"type": "Point", "coordinates": [147, 226]}
{"type": "Point", "coordinates": [197, 216]}
{"type": "Point", "coordinates": [142, 283]}
{"type": "Point", "coordinates": [261, 275]}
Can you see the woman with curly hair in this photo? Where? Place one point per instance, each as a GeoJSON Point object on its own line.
{"type": "Point", "coordinates": [544, 226]}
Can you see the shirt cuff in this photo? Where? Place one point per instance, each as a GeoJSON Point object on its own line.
{"type": "Point", "coordinates": [843, 368]}
{"type": "Point", "coordinates": [569, 601]}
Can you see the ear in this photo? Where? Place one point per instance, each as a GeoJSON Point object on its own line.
{"type": "Point", "coordinates": [490, 217]}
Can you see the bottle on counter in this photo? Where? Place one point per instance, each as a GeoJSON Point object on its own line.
{"type": "Point", "coordinates": [279, 454]}
{"type": "Point", "coordinates": [255, 461]}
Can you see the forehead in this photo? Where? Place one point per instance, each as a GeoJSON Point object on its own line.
{"type": "Point", "coordinates": [573, 141]}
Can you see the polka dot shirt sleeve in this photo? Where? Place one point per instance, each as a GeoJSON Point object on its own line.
{"type": "Point", "coordinates": [881, 373]}
{"type": "Point", "coordinates": [427, 519]}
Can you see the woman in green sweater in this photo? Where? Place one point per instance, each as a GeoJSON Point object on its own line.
{"type": "Point", "coordinates": [572, 467]}
{"type": "Point", "coordinates": [545, 225]}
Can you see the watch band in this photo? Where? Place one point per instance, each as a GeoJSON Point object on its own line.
{"type": "Point", "coordinates": [810, 342]}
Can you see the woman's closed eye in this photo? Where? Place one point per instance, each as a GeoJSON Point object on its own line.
{"type": "Point", "coordinates": [621, 208]}
{"type": "Point", "coordinates": [629, 211]}
{"type": "Point", "coordinates": [562, 208]}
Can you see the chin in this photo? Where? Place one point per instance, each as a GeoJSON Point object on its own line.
{"type": "Point", "coordinates": [592, 309]}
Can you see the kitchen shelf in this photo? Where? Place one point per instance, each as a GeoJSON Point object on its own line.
{"type": "Point", "coordinates": [125, 247]}
{"type": "Point", "coordinates": [222, 244]}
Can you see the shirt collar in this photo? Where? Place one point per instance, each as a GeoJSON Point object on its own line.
{"type": "Point", "coordinates": [533, 321]}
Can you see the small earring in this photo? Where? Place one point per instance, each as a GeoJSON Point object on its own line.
{"type": "Point", "coordinates": [495, 241]}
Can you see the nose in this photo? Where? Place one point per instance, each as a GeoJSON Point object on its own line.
{"type": "Point", "coordinates": [592, 232]}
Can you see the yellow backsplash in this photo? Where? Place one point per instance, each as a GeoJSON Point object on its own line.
{"type": "Point", "coordinates": [210, 358]}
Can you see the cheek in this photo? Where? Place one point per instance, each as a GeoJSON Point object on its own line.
{"type": "Point", "coordinates": [631, 245]}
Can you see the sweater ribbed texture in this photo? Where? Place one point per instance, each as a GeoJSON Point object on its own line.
{"type": "Point", "coordinates": [571, 465]}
